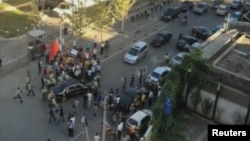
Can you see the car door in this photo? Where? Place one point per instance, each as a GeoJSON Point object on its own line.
{"type": "Point", "coordinates": [70, 90]}
{"type": "Point", "coordinates": [163, 76]}
{"type": "Point", "coordinates": [144, 125]}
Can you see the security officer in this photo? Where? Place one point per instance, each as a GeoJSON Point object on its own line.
{"type": "Point", "coordinates": [30, 89]}
{"type": "Point", "coordinates": [18, 95]}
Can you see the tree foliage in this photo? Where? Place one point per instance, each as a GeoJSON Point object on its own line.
{"type": "Point", "coordinates": [193, 70]}
{"type": "Point", "coordinates": [101, 15]}
{"type": "Point", "coordinates": [121, 10]}
{"type": "Point", "coordinates": [79, 20]}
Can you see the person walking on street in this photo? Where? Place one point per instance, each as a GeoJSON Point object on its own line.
{"type": "Point", "coordinates": [107, 46]}
{"type": "Point", "coordinates": [76, 105]}
{"type": "Point", "coordinates": [97, 137]}
{"type": "Point", "coordinates": [61, 114]}
{"type": "Point", "coordinates": [70, 128]}
{"type": "Point", "coordinates": [94, 53]}
{"type": "Point", "coordinates": [39, 65]}
{"type": "Point", "coordinates": [95, 108]}
{"type": "Point", "coordinates": [95, 41]}
{"type": "Point", "coordinates": [119, 130]}
{"type": "Point", "coordinates": [124, 81]}
{"type": "Point", "coordinates": [102, 48]}
{"type": "Point", "coordinates": [43, 80]}
{"type": "Point", "coordinates": [18, 95]}
{"type": "Point", "coordinates": [52, 115]}
{"type": "Point", "coordinates": [30, 89]}
{"type": "Point", "coordinates": [132, 79]}
{"type": "Point", "coordinates": [89, 96]}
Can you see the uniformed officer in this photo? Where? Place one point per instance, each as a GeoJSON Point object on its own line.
{"type": "Point", "coordinates": [30, 89]}
{"type": "Point", "coordinates": [18, 95]}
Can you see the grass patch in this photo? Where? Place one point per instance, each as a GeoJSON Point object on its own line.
{"type": "Point", "coordinates": [27, 8]}
{"type": "Point", "coordinates": [15, 22]}
{"type": "Point", "coordinates": [16, 2]}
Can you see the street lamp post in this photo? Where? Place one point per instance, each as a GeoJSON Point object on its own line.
{"type": "Point", "coordinates": [104, 120]}
{"type": "Point", "coordinates": [85, 129]}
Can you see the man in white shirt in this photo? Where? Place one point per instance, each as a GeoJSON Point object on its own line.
{"type": "Point", "coordinates": [89, 95]}
{"type": "Point", "coordinates": [97, 137]}
{"type": "Point", "coordinates": [119, 130]}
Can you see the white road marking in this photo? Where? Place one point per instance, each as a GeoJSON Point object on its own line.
{"type": "Point", "coordinates": [75, 137]}
{"type": "Point", "coordinates": [118, 52]}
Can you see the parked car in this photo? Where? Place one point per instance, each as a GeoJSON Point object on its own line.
{"type": "Point", "coordinates": [69, 88]}
{"type": "Point", "coordinates": [178, 58]}
{"type": "Point", "coordinates": [170, 14]}
{"type": "Point", "coordinates": [129, 95]}
{"type": "Point", "coordinates": [185, 40]}
{"type": "Point", "coordinates": [218, 27]}
{"type": "Point", "coordinates": [186, 5]}
{"type": "Point", "coordinates": [216, 3]}
{"type": "Point", "coordinates": [246, 17]}
{"type": "Point", "coordinates": [222, 10]}
{"type": "Point", "coordinates": [161, 38]}
{"type": "Point", "coordinates": [141, 120]}
{"type": "Point", "coordinates": [63, 9]}
{"type": "Point", "coordinates": [201, 8]}
{"type": "Point", "coordinates": [201, 32]}
{"type": "Point", "coordinates": [136, 53]}
{"type": "Point", "coordinates": [194, 46]}
{"type": "Point", "coordinates": [236, 4]}
{"type": "Point", "coordinates": [246, 7]}
{"type": "Point", "coordinates": [236, 16]}
{"type": "Point", "coordinates": [159, 75]}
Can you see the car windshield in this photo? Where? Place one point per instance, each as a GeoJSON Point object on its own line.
{"type": "Point", "coordinates": [200, 5]}
{"type": "Point", "coordinates": [184, 38]}
{"type": "Point", "coordinates": [222, 8]}
{"type": "Point", "coordinates": [133, 122]}
{"type": "Point", "coordinates": [169, 11]}
{"type": "Point", "coordinates": [178, 58]}
{"type": "Point", "coordinates": [155, 75]}
{"type": "Point", "coordinates": [236, 2]}
{"type": "Point", "coordinates": [236, 15]}
{"type": "Point", "coordinates": [63, 6]}
{"type": "Point", "coordinates": [133, 51]}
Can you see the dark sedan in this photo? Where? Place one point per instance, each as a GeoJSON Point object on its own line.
{"type": "Point", "coordinates": [129, 95]}
{"type": "Point", "coordinates": [171, 14]}
{"type": "Point", "coordinates": [186, 5]}
{"type": "Point", "coordinates": [69, 88]}
{"type": "Point", "coordinates": [161, 38]}
{"type": "Point", "coordinates": [184, 40]}
{"type": "Point", "coordinates": [201, 8]}
{"type": "Point", "coordinates": [201, 32]}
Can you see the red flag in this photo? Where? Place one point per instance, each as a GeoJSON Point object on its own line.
{"type": "Point", "coordinates": [55, 48]}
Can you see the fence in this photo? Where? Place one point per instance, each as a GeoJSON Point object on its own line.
{"type": "Point", "coordinates": [14, 64]}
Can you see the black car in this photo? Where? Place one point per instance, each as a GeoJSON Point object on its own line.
{"type": "Point", "coordinates": [161, 38]}
{"type": "Point", "coordinates": [201, 8]}
{"type": "Point", "coordinates": [246, 7]}
{"type": "Point", "coordinates": [201, 32]}
{"type": "Point", "coordinates": [170, 14]}
{"type": "Point", "coordinates": [69, 88]}
{"type": "Point", "coordinates": [184, 40]}
{"type": "Point", "coordinates": [186, 5]}
{"type": "Point", "coordinates": [129, 95]}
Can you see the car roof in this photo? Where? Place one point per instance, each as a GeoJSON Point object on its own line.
{"type": "Point", "coordinates": [139, 115]}
{"type": "Point", "coordinates": [139, 44]}
{"type": "Point", "coordinates": [181, 54]}
{"type": "Point", "coordinates": [61, 86]}
{"type": "Point", "coordinates": [223, 6]}
{"type": "Point", "coordinates": [161, 69]}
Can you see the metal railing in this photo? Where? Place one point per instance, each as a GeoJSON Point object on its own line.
{"type": "Point", "coordinates": [14, 64]}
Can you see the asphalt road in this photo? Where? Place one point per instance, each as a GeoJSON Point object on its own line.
{"type": "Point", "coordinates": [29, 121]}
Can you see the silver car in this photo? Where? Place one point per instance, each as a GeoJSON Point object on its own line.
{"type": "Point", "coordinates": [136, 53]}
{"type": "Point", "coordinates": [178, 58]}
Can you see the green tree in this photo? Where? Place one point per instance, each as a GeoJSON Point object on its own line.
{"type": "Point", "coordinates": [121, 10]}
{"type": "Point", "coordinates": [79, 20]}
{"type": "Point", "coordinates": [101, 16]}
